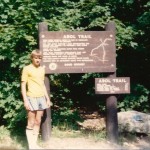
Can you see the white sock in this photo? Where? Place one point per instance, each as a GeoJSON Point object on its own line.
{"type": "Point", "coordinates": [30, 138]}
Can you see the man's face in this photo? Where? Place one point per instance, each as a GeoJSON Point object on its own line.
{"type": "Point", "coordinates": [36, 60]}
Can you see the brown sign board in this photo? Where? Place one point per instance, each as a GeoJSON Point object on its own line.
{"type": "Point", "coordinates": [118, 85]}
{"type": "Point", "coordinates": [78, 51]}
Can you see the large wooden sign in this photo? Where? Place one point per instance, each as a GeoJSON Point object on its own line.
{"type": "Point", "coordinates": [118, 85]}
{"type": "Point", "coordinates": [78, 52]}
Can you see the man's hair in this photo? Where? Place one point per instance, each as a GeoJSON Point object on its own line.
{"type": "Point", "coordinates": [36, 52]}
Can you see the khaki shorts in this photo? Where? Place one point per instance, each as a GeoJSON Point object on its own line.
{"type": "Point", "coordinates": [37, 103]}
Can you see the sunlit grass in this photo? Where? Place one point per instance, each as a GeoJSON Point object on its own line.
{"type": "Point", "coordinates": [9, 142]}
{"type": "Point", "coordinates": [65, 131]}
{"type": "Point", "coordinates": [17, 142]}
{"type": "Point", "coordinates": [95, 135]}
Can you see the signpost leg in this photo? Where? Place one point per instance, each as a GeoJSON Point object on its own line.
{"type": "Point", "coordinates": [112, 120]}
{"type": "Point", "coordinates": [46, 120]}
{"type": "Point", "coordinates": [111, 105]}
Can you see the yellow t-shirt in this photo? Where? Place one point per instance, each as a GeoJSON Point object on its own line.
{"type": "Point", "coordinates": [35, 80]}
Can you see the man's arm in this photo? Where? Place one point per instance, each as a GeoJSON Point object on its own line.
{"type": "Point", "coordinates": [23, 91]}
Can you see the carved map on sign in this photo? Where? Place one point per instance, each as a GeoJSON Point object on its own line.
{"type": "Point", "coordinates": [78, 52]}
{"type": "Point", "coordinates": [112, 85]}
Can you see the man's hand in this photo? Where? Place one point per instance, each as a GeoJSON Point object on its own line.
{"type": "Point", "coordinates": [26, 105]}
{"type": "Point", "coordinates": [49, 103]}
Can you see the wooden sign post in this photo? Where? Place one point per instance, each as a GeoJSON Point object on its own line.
{"type": "Point", "coordinates": [112, 86]}
{"type": "Point", "coordinates": [46, 120]}
{"type": "Point", "coordinates": [82, 52]}
{"type": "Point", "coordinates": [111, 103]}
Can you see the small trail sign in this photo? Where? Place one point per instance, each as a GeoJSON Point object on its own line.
{"type": "Point", "coordinates": [78, 52]}
{"type": "Point", "coordinates": [118, 85]}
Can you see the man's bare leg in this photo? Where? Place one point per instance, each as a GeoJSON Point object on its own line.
{"type": "Point", "coordinates": [36, 127]}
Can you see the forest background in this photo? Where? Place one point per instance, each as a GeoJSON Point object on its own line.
{"type": "Point", "coordinates": [19, 20]}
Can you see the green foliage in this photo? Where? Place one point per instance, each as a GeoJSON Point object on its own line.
{"type": "Point", "coordinates": [64, 111]}
{"type": "Point", "coordinates": [10, 105]}
{"type": "Point", "coordinates": [18, 34]}
{"type": "Point", "coordinates": [137, 100]}
{"type": "Point", "coordinates": [65, 117]}
{"type": "Point", "coordinates": [125, 36]}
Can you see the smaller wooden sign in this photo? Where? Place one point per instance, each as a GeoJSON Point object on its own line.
{"type": "Point", "coordinates": [118, 85]}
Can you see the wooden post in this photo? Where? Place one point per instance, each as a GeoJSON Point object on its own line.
{"type": "Point", "coordinates": [46, 120]}
{"type": "Point", "coordinates": [111, 105]}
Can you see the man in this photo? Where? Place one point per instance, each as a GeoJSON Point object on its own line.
{"type": "Point", "coordinates": [35, 97]}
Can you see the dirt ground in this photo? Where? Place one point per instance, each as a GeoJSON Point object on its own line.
{"type": "Point", "coordinates": [85, 143]}
{"type": "Point", "coordinates": [56, 143]}
{"type": "Point", "coordinates": [126, 142]}
{"type": "Point", "coordinates": [95, 121]}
